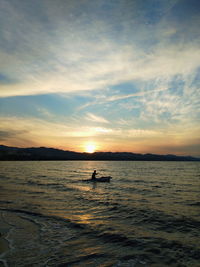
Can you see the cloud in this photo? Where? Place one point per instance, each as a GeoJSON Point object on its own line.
{"type": "Point", "coordinates": [95, 118]}
{"type": "Point", "coordinates": [142, 93]}
{"type": "Point", "coordinates": [110, 69]}
{"type": "Point", "coordinates": [39, 129]}
{"type": "Point", "coordinates": [4, 135]}
{"type": "Point", "coordinates": [44, 112]}
{"type": "Point", "coordinates": [4, 79]}
{"type": "Point", "coordinates": [178, 104]}
{"type": "Point", "coordinates": [67, 54]}
{"type": "Point", "coordinates": [103, 130]}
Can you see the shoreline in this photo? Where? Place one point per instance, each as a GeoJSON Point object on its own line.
{"type": "Point", "coordinates": [4, 243]}
{"type": "Point", "coordinates": [25, 237]}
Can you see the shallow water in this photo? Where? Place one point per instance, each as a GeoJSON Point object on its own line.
{"type": "Point", "coordinates": [148, 215]}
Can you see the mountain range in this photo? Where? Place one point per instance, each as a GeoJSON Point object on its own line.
{"type": "Point", "coordinates": [44, 153]}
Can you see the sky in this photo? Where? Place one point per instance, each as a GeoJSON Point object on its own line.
{"type": "Point", "coordinates": [101, 75]}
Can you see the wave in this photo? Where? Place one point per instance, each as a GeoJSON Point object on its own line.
{"type": "Point", "coordinates": [82, 259]}
{"type": "Point", "coordinates": [160, 221]}
{"type": "Point", "coordinates": [57, 186]}
{"type": "Point", "coordinates": [194, 204]}
{"type": "Point", "coordinates": [146, 248]}
{"type": "Point", "coordinates": [5, 202]}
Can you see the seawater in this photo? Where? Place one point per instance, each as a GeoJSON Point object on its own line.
{"type": "Point", "coordinates": [148, 215]}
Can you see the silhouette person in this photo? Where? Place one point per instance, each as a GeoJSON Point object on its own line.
{"type": "Point", "coordinates": [94, 175]}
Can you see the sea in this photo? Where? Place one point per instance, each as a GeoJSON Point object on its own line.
{"type": "Point", "coordinates": [148, 215]}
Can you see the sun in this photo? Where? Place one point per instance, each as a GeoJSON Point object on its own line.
{"type": "Point", "coordinates": [90, 147]}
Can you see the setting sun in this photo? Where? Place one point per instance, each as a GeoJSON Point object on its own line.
{"type": "Point", "coordinates": [90, 147]}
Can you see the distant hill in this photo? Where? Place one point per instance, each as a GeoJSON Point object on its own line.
{"type": "Point", "coordinates": [44, 153]}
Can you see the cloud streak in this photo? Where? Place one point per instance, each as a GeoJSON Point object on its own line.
{"type": "Point", "coordinates": [95, 118]}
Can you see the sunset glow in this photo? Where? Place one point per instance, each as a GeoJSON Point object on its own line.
{"type": "Point", "coordinates": [123, 73]}
{"type": "Point", "coordinates": [90, 148]}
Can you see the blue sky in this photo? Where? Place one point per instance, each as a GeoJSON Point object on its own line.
{"type": "Point", "coordinates": [122, 75]}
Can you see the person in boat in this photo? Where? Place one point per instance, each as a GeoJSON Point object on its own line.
{"type": "Point", "coordinates": [94, 175]}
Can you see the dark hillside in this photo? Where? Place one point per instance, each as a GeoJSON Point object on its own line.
{"type": "Point", "coordinates": [44, 153]}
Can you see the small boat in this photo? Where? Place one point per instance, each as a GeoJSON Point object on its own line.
{"type": "Point", "coordinates": [103, 179]}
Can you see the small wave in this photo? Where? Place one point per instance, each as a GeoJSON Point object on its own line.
{"type": "Point", "coordinates": [140, 181]}
{"type": "Point", "coordinates": [156, 186]}
{"type": "Point", "coordinates": [194, 204]}
{"type": "Point", "coordinates": [118, 238]}
{"type": "Point", "coordinates": [83, 259]}
{"type": "Point", "coordinates": [40, 215]}
{"type": "Point", "coordinates": [167, 223]}
{"type": "Point", "coordinates": [5, 202]}
{"type": "Point", "coordinates": [3, 177]}
{"type": "Point", "coordinates": [22, 211]}
{"type": "Point", "coordinates": [157, 219]}
{"type": "Point", "coordinates": [36, 192]}
{"type": "Point", "coordinates": [33, 183]}
{"type": "Point", "coordinates": [141, 191]}
{"type": "Point", "coordinates": [57, 186]}
{"type": "Point", "coordinates": [130, 261]}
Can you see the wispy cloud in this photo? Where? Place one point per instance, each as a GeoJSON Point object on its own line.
{"type": "Point", "coordinates": [44, 112]}
{"type": "Point", "coordinates": [142, 93]}
{"type": "Point", "coordinates": [60, 61]}
{"type": "Point", "coordinates": [95, 118]}
{"type": "Point", "coordinates": [113, 68]}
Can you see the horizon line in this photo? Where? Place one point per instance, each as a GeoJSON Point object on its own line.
{"type": "Point", "coordinates": [90, 153]}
